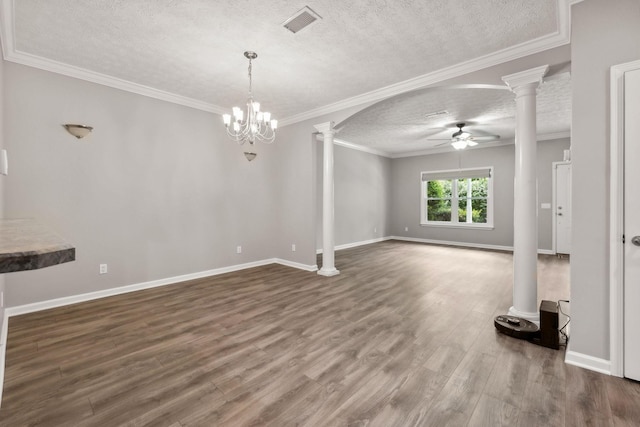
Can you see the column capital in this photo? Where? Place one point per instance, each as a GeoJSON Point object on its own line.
{"type": "Point", "coordinates": [325, 128]}
{"type": "Point", "coordinates": [534, 75]}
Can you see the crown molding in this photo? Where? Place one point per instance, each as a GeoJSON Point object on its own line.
{"type": "Point", "coordinates": [444, 149]}
{"type": "Point", "coordinates": [559, 38]}
{"type": "Point", "coordinates": [362, 148]}
{"type": "Point", "coordinates": [555, 135]}
{"type": "Point", "coordinates": [10, 53]}
{"type": "Point", "coordinates": [105, 80]}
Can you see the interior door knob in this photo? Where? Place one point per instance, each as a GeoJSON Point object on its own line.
{"type": "Point", "coordinates": [635, 240]}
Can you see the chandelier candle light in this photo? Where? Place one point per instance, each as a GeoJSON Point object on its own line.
{"type": "Point", "coordinates": [256, 126]}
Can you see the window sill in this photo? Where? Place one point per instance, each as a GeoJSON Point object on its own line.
{"type": "Point", "coordinates": [459, 225]}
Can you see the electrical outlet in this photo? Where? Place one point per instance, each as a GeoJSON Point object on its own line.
{"type": "Point", "coordinates": [375, 229]}
{"type": "Point", "coordinates": [293, 247]}
{"type": "Point", "coordinates": [239, 250]}
{"type": "Point", "coordinates": [406, 229]}
{"type": "Point", "coordinates": [103, 269]}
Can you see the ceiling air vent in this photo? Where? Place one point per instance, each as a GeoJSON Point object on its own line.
{"type": "Point", "coordinates": [435, 114]}
{"type": "Point", "coordinates": [301, 19]}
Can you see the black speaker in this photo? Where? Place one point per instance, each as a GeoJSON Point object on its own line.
{"type": "Point", "coordinates": [549, 334]}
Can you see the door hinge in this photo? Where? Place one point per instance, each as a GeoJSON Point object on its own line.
{"type": "Point", "coordinates": [623, 238]}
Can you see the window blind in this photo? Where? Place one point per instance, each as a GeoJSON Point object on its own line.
{"type": "Point", "coordinates": [457, 174]}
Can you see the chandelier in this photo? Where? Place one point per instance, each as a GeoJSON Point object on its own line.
{"type": "Point", "coordinates": [253, 126]}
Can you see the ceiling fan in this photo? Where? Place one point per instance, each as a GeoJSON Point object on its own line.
{"type": "Point", "coordinates": [462, 139]}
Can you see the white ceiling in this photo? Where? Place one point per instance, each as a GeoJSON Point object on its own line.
{"type": "Point", "coordinates": [191, 52]}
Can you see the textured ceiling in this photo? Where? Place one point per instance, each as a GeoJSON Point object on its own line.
{"type": "Point", "coordinates": [194, 48]}
{"type": "Point", "coordinates": [402, 123]}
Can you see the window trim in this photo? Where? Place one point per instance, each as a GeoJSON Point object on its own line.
{"type": "Point", "coordinates": [454, 174]}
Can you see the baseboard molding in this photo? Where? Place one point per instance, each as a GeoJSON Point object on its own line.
{"type": "Point", "coordinates": [466, 244]}
{"type": "Point", "coordinates": [3, 347]}
{"type": "Point", "coordinates": [356, 244]}
{"type": "Point", "coordinates": [60, 302]}
{"type": "Point", "coordinates": [587, 362]}
{"type": "Point", "coordinates": [451, 243]}
{"type": "Point", "coordinates": [74, 299]}
{"type": "Point", "coordinates": [297, 265]}
{"type": "Point", "coordinates": [546, 252]}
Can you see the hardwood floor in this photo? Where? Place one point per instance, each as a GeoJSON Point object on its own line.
{"type": "Point", "coordinates": [404, 336]}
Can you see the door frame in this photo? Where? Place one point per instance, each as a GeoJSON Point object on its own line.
{"type": "Point", "coordinates": [554, 183]}
{"type": "Point", "coordinates": [616, 215]}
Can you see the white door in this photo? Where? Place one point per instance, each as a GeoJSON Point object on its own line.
{"type": "Point", "coordinates": [632, 224]}
{"type": "Point", "coordinates": [563, 208]}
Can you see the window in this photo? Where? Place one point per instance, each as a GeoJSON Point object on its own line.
{"type": "Point", "coordinates": [458, 198]}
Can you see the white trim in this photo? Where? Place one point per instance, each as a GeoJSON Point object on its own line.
{"type": "Point", "coordinates": [3, 347]}
{"type": "Point", "coordinates": [616, 215]}
{"type": "Point", "coordinates": [294, 264]}
{"type": "Point", "coordinates": [451, 243]}
{"type": "Point", "coordinates": [10, 53]}
{"type": "Point", "coordinates": [74, 299]}
{"type": "Point", "coordinates": [445, 149]}
{"type": "Point", "coordinates": [458, 225]}
{"type": "Point", "coordinates": [448, 149]}
{"type": "Point", "coordinates": [356, 244]}
{"type": "Point", "coordinates": [105, 80]}
{"type": "Point", "coordinates": [555, 135]}
{"type": "Point", "coordinates": [554, 180]}
{"type": "Point", "coordinates": [358, 147]}
{"type": "Point", "coordinates": [454, 223]}
{"type": "Point", "coordinates": [587, 362]}
{"type": "Point", "coordinates": [464, 244]}
{"type": "Point", "coordinates": [558, 38]}
{"type": "Point", "coordinates": [435, 242]}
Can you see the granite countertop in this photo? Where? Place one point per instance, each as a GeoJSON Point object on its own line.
{"type": "Point", "coordinates": [25, 244]}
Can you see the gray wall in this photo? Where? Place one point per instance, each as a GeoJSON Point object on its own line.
{"type": "Point", "coordinates": [156, 191]}
{"type": "Point", "coordinates": [362, 195]}
{"type": "Point", "coordinates": [604, 33]}
{"type": "Point", "coordinates": [296, 193]}
{"type": "Point", "coordinates": [405, 190]}
{"type": "Point", "coordinates": [2, 177]}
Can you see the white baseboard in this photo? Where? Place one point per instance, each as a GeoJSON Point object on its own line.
{"type": "Point", "coordinates": [59, 302]}
{"type": "Point", "coordinates": [435, 242]}
{"type": "Point", "coordinates": [450, 243]}
{"type": "Point", "coordinates": [465, 244]}
{"type": "Point", "coordinates": [356, 244]}
{"type": "Point", "coordinates": [297, 265]}
{"type": "Point", "coordinates": [587, 362]}
{"type": "Point", "coordinates": [3, 348]}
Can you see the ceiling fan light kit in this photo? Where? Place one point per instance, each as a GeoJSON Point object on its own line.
{"type": "Point", "coordinates": [461, 139]}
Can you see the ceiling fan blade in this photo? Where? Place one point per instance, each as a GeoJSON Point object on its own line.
{"type": "Point", "coordinates": [485, 138]}
{"type": "Point", "coordinates": [442, 143]}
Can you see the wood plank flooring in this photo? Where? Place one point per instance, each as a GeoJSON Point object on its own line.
{"type": "Point", "coordinates": [404, 336]}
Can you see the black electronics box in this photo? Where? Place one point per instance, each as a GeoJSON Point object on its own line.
{"type": "Point", "coordinates": [549, 334]}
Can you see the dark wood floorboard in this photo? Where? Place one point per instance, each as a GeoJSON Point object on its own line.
{"type": "Point", "coordinates": [404, 336]}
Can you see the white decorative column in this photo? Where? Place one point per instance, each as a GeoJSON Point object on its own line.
{"type": "Point", "coordinates": [525, 213]}
{"type": "Point", "coordinates": [328, 221]}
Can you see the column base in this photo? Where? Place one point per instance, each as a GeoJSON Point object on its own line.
{"type": "Point", "coordinates": [328, 272]}
{"type": "Point", "coordinates": [531, 317]}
